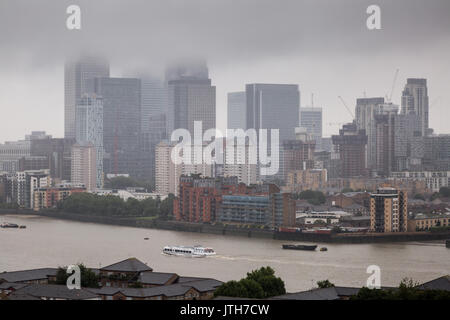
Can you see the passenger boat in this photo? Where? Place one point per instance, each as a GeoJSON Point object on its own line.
{"type": "Point", "coordinates": [194, 252]}
{"type": "Point", "coordinates": [299, 247]}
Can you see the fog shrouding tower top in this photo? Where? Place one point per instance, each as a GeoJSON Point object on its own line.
{"type": "Point", "coordinates": [76, 74]}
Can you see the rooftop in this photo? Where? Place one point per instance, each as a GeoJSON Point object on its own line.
{"type": "Point", "coordinates": [28, 275]}
{"type": "Point", "coordinates": [128, 265]}
{"type": "Point", "coordinates": [54, 291]}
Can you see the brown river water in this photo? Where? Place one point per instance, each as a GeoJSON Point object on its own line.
{"type": "Point", "coordinates": [50, 242]}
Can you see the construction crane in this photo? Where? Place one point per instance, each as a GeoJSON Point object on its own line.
{"type": "Point", "coordinates": [345, 105]}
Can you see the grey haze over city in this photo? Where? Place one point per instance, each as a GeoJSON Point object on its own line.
{"type": "Point", "coordinates": [323, 46]}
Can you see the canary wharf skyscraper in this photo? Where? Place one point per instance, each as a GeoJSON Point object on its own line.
{"type": "Point", "coordinates": [415, 101]}
{"type": "Point", "coordinates": [273, 106]}
{"type": "Point", "coordinates": [76, 73]}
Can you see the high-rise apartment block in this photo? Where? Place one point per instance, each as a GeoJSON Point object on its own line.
{"type": "Point", "coordinates": [89, 128]}
{"type": "Point", "coordinates": [389, 210]}
{"type": "Point", "coordinates": [84, 166]}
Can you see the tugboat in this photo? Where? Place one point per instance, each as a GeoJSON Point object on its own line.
{"type": "Point", "coordinates": [9, 225]}
{"type": "Point", "coordinates": [324, 249]}
{"type": "Point", "coordinates": [299, 247]}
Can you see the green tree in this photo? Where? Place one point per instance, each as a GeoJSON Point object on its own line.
{"type": "Point", "coordinates": [325, 284]}
{"type": "Point", "coordinates": [258, 284]}
{"type": "Point", "coordinates": [313, 197]}
{"type": "Point", "coordinates": [232, 289]}
{"type": "Point", "coordinates": [88, 278]}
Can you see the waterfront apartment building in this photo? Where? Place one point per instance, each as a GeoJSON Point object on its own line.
{"type": "Point", "coordinates": [77, 72]}
{"type": "Point", "coordinates": [350, 144]}
{"type": "Point", "coordinates": [21, 185]}
{"type": "Point", "coordinates": [236, 111]}
{"type": "Point", "coordinates": [272, 209]}
{"type": "Point", "coordinates": [389, 210]}
{"type": "Point", "coordinates": [199, 197]}
{"type": "Point", "coordinates": [84, 166]}
{"type": "Point", "coordinates": [422, 222]}
{"type": "Point", "coordinates": [48, 197]}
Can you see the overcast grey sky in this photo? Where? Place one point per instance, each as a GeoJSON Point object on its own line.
{"type": "Point", "coordinates": [322, 45]}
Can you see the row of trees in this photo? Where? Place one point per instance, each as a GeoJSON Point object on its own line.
{"type": "Point", "coordinates": [92, 204]}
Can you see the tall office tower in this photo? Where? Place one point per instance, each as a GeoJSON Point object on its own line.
{"type": "Point", "coordinates": [89, 128]}
{"type": "Point", "coordinates": [76, 73]}
{"type": "Point", "coordinates": [311, 120]}
{"type": "Point", "coordinates": [415, 101]}
{"type": "Point", "coordinates": [350, 144]}
{"type": "Point", "coordinates": [237, 111]}
{"type": "Point", "coordinates": [84, 165]}
{"type": "Point", "coordinates": [191, 99]}
{"type": "Point", "coordinates": [385, 122]}
{"type": "Point", "coordinates": [273, 106]}
{"type": "Point", "coordinates": [389, 210]}
{"type": "Point", "coordinates": [121, 123]}
{"type": "Point", "coordinates": [366, 109]}
{"type": "Point", "coordinates": [154, 101]}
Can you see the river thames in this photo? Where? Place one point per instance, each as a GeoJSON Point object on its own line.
{"type": "Point", "coordinates": [50, 242]}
